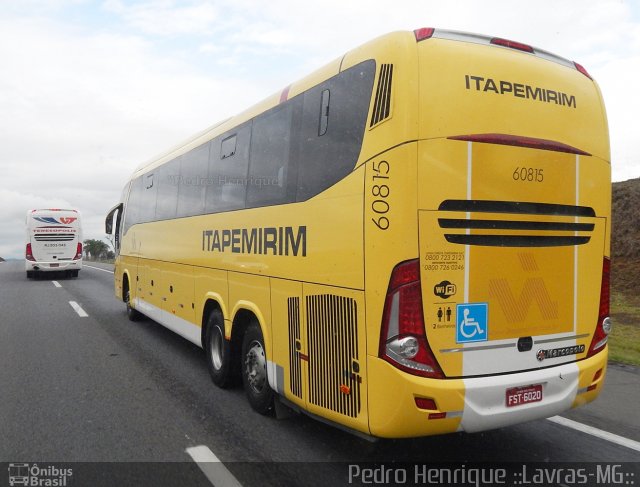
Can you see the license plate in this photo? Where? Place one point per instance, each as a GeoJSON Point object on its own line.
{"type": "Point", "coordinates": [54, 265]}
{"type": "Point", "coordinates": [517, 396]}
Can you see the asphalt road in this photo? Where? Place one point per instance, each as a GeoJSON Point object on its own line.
{"type": "Point", "coordinates": [99, 388]}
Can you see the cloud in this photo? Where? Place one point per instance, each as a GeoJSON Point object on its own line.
{"type": "Point", "coordinates": [82, 109]}
{"type": "Point", "coordinates": [616, 78]}
{"type": "Point", "coordinates": [166, 18]}
{"type": "Point", "coordinates": [89, 91]}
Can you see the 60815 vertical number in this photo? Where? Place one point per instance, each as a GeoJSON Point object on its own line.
{"type": "Point", "coordinates": [380, 191]}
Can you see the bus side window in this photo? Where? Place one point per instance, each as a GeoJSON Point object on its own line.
{"type": "Point", "coordinates": [193, 180]}
{"type": "Point", "coordinates": [270, 145]}
{"type": "Point", "coordinates": [147, 202]}
{"type": "Point", "coordinates": [168, 182]}
{"type": "Point", "coordinates": [329, 154]}
{"type": "Point", "coordinates": [228, 171]}
{"type": "Point", "coordinates": [133, 204]}
{"type": "Point", "coordinates": [228, 147]}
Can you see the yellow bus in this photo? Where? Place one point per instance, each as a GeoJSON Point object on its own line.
{"type": "Point", "coordinates": [412, 240]}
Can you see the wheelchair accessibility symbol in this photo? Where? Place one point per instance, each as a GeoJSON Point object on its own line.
{"type": "Point", "coordinates": [472, 323]}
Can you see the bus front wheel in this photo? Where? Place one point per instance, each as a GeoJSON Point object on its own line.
{"type": "Point", "coordinates": [218, 350]}
{"type": "Point", "coordinates": [132, 313]}
{"type": "Point", "coordinates": [254, 371]}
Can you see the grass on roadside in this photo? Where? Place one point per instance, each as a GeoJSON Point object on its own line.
{"type": "Point", "coordinates": [624, 341]}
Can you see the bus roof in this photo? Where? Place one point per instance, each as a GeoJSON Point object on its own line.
{"type": "Point", "coordinates": [337, 66]}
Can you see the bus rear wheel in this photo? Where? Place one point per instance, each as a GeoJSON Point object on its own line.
{"type": "Point", "coordinates": [218, 349]}
{"type": "Point", "coordinates": [254, 371]}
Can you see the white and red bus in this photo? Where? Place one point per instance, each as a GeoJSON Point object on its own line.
{"type": "Point", "coordinates": [54, 242]}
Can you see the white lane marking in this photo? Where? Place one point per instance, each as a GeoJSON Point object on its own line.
{"type": "Point", "coordinates": [212, 467]}
{"type": "Point", "coordinates": [56, 283]}
{"type": "Point", "coordinates": [590, 430]}
{"type": "Point", "coordinates": [78, 309]}
{"type": "Point", "coordinates": [98, 268]}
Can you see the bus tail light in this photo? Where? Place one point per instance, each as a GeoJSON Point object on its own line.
{"type": "Point", "coordinates": [29, 253]}
{"type": "Point", "coordinates": [78, 252]}
{"type": "Point", "coordinates": [511, 44]}
{"type": "Point", "coordinates": [403, 341]}
{"type": "Point", "coordinates": [520, 141]}
{"type": "Point", "coordinates": [580, 68]}
{"type": "Point", "coordinates": [603, 328]}
{"type": "Point", "coordinates": [424, 33]}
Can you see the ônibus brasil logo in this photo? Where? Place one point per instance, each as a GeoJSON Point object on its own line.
{"type": "Point", "coordinates": [34, 475]}
{"type": "Point", "coordinates": [63, 220]}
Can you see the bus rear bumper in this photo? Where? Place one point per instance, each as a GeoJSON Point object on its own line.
{"type": "Point", "coordinates": [54, 266]}
{"type": "Point", "coordinates": [474, 404]}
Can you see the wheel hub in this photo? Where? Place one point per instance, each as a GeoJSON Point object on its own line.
{"type": "Point", "coordinates": [256, 367]}
{"type": "Point", "coordinates": [216, 348]}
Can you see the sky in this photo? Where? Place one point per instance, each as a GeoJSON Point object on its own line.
{"type": "Point", "coordinates": [89, 90]}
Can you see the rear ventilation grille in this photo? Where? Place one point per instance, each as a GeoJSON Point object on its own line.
{"type": "Point", "coordinates": [295, 367]}
{"type": "Point", "coordinates": [516, 240]}
{"type": "Point", "coordinates": [332, 330]}
{"type": "Point", "coordinates": [382, 104]}
{"type": "Point", "coordinates": [527, 208]}
{"type": "Point", "coordinates": [54, 237]}
{"type": "Point", "coordinates": [542, 236]}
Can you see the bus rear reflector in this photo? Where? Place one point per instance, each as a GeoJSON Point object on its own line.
{"type": "Point", "coordinates": [511, 44]}
{"type": "Point", "coordinates": [597, 375]}
{"type": "Point", "coordinates": [29, 253]}
{"type": "Point", "coordinates": [78, 252]}
{"type": "Point", "coordinates": [520, 141]}
{"type": "Point", "coordinates": [437, 415]}
{"type": "Point", "coordinates": [601, 334]}
{"type": "Point", "coordinates": [594, 381]}
{"type": "Point", "coordinates": [403, 341]}
{"type": "Point", "coordinates": [426, 403]}
{"type": "Point", "coordinates": [423, 33]}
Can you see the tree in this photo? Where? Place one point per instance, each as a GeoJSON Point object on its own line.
{"type": "Point", "coordinates": [95, 249]}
